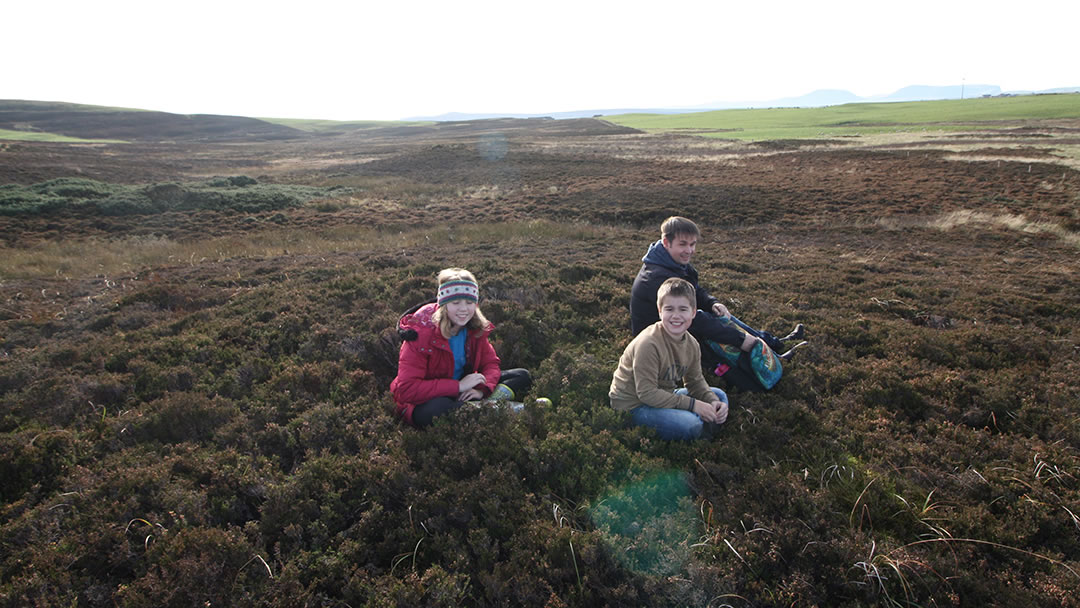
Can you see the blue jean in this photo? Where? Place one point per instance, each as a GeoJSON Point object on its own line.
{"type": "Point", "coordinates": [670, 423]}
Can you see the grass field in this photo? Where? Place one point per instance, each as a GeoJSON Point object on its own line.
{"type": "Point", "coordinates": [860, 118]}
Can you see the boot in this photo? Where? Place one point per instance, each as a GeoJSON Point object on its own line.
{"type": "Point", "coordinates": [790, 354]}
{"type": "Point", "coordinates": [796, 334]}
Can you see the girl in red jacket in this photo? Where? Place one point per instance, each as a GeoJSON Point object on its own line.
{"type": "Point", "coordinates": [446, 358]}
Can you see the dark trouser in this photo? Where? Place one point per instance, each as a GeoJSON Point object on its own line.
{"type": "Point", "coordinates": [518, 380]}
{"type": "Point", "coordinates": [707, 326]}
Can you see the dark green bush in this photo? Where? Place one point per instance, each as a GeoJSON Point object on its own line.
{"type": "Point", "coordinates": [239, 193]}
{"type": "Point", "coordinates": [52, 195]}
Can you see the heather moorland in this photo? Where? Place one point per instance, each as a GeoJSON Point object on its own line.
{"type": "Point", "coordinates": [197, 335]}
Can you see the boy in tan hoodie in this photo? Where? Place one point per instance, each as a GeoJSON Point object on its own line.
{"type": "Point", "coordinates": [661, 357]}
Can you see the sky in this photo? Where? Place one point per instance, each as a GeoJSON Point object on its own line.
{"type": "Point", "coordinates": [389, 60]}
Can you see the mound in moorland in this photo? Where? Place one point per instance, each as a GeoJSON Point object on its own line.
{"type": "Point", "coordinates": [96, 122]}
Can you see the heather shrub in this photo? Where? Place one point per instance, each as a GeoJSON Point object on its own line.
{"type": "Point", "coordinates": [176, 298]}
{"type": "Point", "coordinates": [35, 460]}
{"type": "Point", "coordinates": [52, 195]}
{"type": "Point", "coordinates": [577, 379]}
{"type": "Point", "coordinates": [649, 524]}
{"type": "Point", "coordinates": [76, 188]}
{"type": "Point", "coordinates": [238, 193]}
{"type": "Point", "coordinates": [181, 417]}
{"type": "Point", "coordinates": [196, 566]}
{"type": "Point", "coordinates": [224, 435]}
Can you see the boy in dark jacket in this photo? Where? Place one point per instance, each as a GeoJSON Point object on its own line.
{"type": "Point", "coordinates": [670, 257]}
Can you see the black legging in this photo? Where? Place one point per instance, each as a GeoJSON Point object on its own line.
{"type": "Point", "coordinates": [518, 380]}
{"type": "Point", "coordinates": [707, 326]}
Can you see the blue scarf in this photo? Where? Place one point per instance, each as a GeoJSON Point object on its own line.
{"type": "Point", "coordinates": [457, 346]}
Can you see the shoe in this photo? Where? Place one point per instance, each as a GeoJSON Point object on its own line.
{"type": "Point", "coordinates": [790, 354]}
{"type": "Point", "coordinates": [796, 334]}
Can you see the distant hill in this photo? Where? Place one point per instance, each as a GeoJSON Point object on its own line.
{"type": "Point", "coordinates": [97, 122]}
{"type": "Point", "coordinates": [929, 93]}
{"type": "Point", "coordinates": [814, 99]}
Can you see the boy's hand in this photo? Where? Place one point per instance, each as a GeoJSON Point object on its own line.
{"type": "Point", "coordinates": [706, 411]}
{"type": "Point", "coordinates": [721, 411]}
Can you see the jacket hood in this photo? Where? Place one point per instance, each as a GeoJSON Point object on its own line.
{"type": "Point", "coordinates": [418, 318]}
{"type": "Point", "coordinates": [658, 254]}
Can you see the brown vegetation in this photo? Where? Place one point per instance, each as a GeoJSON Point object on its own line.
{"type": "Point", "coordinates": [212, 426]}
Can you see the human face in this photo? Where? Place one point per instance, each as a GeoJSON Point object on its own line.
{"type": "Point", "coordinates": [460, 312]}
{"type": "Point", "coordinates": [676, 313]}
{"type": "Point", "coordinates": [681, 247]}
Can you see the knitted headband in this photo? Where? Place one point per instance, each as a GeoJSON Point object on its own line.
{"type": "Point", "coordinates": [459, 289]}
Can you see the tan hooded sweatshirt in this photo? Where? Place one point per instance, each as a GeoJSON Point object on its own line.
{"type": "Point", "coordinates": [653, 365]}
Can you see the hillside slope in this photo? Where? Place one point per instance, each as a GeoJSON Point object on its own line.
{"type": "Point", "coordinates": [93, 122]}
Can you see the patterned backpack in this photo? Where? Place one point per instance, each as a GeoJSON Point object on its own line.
{"type": "Point", "coordinates": [757, 370]}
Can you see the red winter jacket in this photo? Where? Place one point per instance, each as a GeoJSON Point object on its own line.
{"type": "Point", "coordinates": [426, 364]}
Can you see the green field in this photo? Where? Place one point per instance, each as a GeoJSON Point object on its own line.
{"type": "Point", "coordinates": [859, 118]}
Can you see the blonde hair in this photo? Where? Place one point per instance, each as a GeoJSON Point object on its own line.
{"type": "Point", "coordinates": [676, 288]}
{"type": "Point", "coordinates": [478, 321]}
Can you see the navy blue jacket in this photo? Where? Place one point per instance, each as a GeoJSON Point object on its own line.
{"type": "Point", "coordinates": [657, 267]}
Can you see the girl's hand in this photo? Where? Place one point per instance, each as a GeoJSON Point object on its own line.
{"type": "Point", "coordinates": [471, 395]}
{"type": "Point", "coordinates": [471, 380]}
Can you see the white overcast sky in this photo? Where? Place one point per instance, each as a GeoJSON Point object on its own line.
{"type": "Point", "coordinates": [388, 60]}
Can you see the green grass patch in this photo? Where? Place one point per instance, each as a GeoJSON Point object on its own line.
{"type": "Point", "coordinates": [859, 118]}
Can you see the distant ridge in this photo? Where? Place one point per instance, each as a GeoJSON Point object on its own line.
{"type": "Point", "coordinates": [928, 93]}
{"type": "Point", "coordinates": [100, 123]}
{"type": "Point", "coordinates": [814, 99]}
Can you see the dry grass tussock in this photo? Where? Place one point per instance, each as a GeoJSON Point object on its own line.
{"type": "Point", "coordinates": [691, 149]}
{"type": "Point", "coordinates": [110, 257]}
{"type": "Point", "coordinates": [957, 219]}
{"type": "Point", "coordinates": [1058, 151]}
